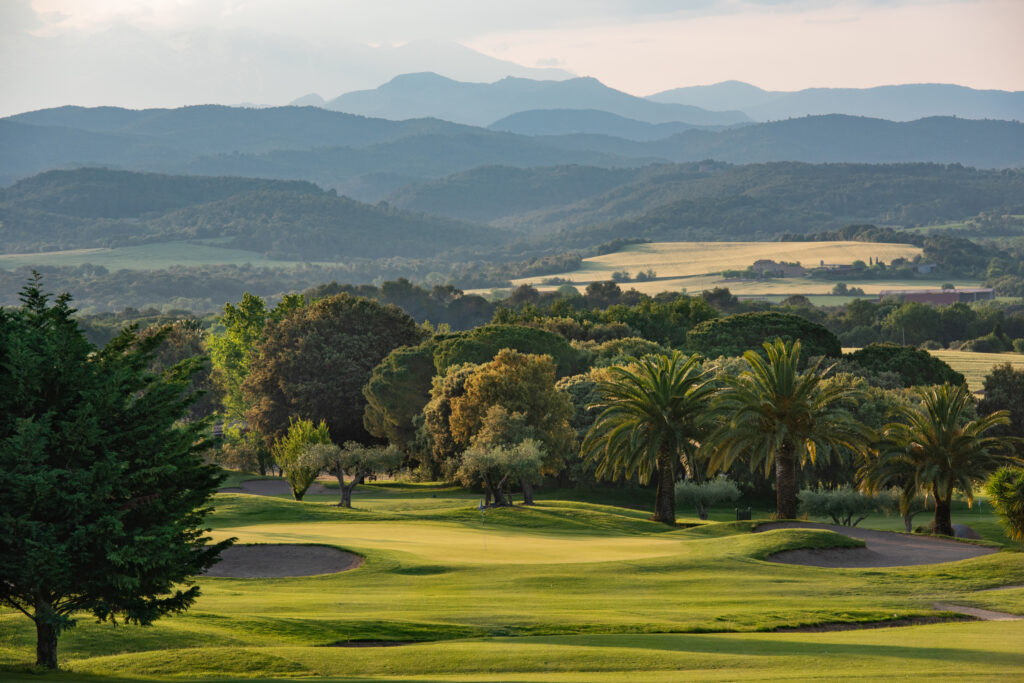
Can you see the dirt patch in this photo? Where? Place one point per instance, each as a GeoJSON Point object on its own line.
{"type": "Point", "coordinates": [882, 548]}
{"type": "Point", "coordinates": [276, 487]}
{"type": "Point", "coordinates": [279, 561]}
{"type": "Point", "coordinates": [858, 625]}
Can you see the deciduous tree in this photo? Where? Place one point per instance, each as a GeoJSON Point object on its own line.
{"type": "Point", "coordinates": [314, 362]}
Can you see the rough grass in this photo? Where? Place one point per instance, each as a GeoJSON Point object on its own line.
{"type": "Point", "coordinates": [567, 590]}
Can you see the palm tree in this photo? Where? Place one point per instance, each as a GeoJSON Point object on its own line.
{"type": "Point", "coordinates": [656, 411]}
{"type": "Point", "coordinates": [777, 417]}
{"type": "Point", "coordinates": [941, 450]}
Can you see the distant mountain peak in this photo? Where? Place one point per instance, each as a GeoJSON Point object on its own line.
{"type": "Point", "coordinates": [427, 94]}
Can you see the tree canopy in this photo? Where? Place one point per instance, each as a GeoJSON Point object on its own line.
{"type": "Point", "coordinates": [314, 362]}
{"type": "Point", "coordinates": [735, 334]}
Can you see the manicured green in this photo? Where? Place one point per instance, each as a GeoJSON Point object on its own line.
{"type": "Point", "coordinates": [560, 591]}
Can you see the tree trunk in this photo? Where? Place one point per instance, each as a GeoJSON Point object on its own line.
{"type": "Point", "coordinates": [346, 495]}
{"type": "Point", "coordinates": [908, 521]}
{"type": "Point", "coordinates": [527, 491]}
{"type": "Point", "coordinates": [943, 516]}
{"type": "Point", "coordinates": [665, 499]}
{"type": "Point", "coordinates": [785, 483]}
{"type": "Point", "coordinates": [46, 636]}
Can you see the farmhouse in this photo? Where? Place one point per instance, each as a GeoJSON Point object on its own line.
{"type": "Point", "coordinates": [939, 297]}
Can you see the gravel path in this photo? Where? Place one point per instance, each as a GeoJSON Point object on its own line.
{"type": "Point", "coordinates": [276, 487]}
{"type": "Point", "coordinates": [882, 549]}
{"type": "Point", "coordinates": [277, 561]}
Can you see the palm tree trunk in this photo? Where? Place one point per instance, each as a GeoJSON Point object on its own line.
{"type": "Point", "coordinates": [665, 499]}
{"type": "Point", "coordinates": [943, 514]}
{"type": "Point", "coordinates": [785, 483]}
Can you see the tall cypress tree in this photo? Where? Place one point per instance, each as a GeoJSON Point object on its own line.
{"type": "Point", "coordinates": [104, 489]}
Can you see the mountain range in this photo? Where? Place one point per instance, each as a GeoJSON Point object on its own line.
{"type": "Point", "coordinates": [479, 104]}
{"type": "Point", "coordinates": [369, 158]}
{"type": "Point", "coordinates": [893, 102]}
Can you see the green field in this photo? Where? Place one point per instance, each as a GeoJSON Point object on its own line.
{"type": "Point", "coordinates": [564, 591]}
{"type": "Point", "coordinates": [146, 257]}
{"type": "Point", "coordinates": [975, 366]}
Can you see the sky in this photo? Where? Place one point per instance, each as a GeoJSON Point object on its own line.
{"type": "Point", "coordinates": [144, 53]}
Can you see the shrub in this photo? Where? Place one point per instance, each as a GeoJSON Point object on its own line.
{"type": "Point", "coordinates": [990, 343]}
{"type": "Point", "coordinates": [930, 345]}
{"type": "Point", "coordinates": [706, 494]}
{"type": "Point", "coordinates": [1018, 345]}
{"type": "Point", "coordinates": [845, 506]}
{"type": "Point", "coordinates": [1006, 493]}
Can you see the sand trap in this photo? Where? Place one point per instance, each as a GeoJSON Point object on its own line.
{"type": "Point", "coordinates": [277, 561]}
{"type": "Point", "coordinates": [276, 487]}
{"type": "Point", "coordinates": [882, 548]}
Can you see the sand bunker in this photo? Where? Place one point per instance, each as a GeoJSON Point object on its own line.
{"type": "Point", "coordinates": [277, 561]}
{"type": "Point", "coordinates": [882, 548]}
{"type": "Point", "coordinates": [276, 487]}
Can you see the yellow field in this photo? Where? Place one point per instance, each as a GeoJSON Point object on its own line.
{"type": "Point", "coordinates": [697, 265]}
{"type": "Point", "coordinates": [974, 366]}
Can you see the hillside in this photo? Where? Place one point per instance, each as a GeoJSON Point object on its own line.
{"type": "Point", "coordinates": [430, 95]}
{"type": "Point", "coordinates": [894, 102]}
{"type": "Point", "coordinates": [586, 121]}
{"type": "Point", "coordinates": [830, 139]}
{"type": "Point", "coordinates": [716, 201]}
{"type": "Point", "coordinates": [292, 220]}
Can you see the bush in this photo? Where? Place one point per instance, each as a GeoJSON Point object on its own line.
{"type": "Point", "coordinates": [706, 494]}
{"type": "Point", "coordinates": [845, 506]}
{"type": "Point", "coordinates": [1018, 345]}
{"type": "Point", "coordinates": [990, 343]}
{"type": "Point", "coordinates": [930, 345]}
{"type": "Point", "coordinates": [1006, 493]}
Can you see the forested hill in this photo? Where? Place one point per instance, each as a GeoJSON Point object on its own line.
{"type": "Point", "coordinates": [93, 207]}
{"type": "Point", "coordinates": [711, 200]}
{"type": "Point", "coordinates": [830, 139]}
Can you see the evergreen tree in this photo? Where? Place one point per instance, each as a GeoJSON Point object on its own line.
{"type": "Point", "coordinates": [104, 489]}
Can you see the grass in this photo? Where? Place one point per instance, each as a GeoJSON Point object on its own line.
{"type": "Point", "coordinates": [975, 366]}
{"type": "Point", "coordinates": [147, 257]}
{"type": "Point", "coordinates": [584, 589]}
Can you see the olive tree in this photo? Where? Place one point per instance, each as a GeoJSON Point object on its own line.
{"type": "Point", "coordinates": [355, 461]}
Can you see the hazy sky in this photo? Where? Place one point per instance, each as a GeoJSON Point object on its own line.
{"type": "Point", "coordinates": [172, 52]}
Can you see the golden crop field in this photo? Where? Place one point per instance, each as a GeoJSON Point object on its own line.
{"type": "Point", "coordinates": [974, 366]}
{"type": "Point", "coordinates": [698, 265]}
